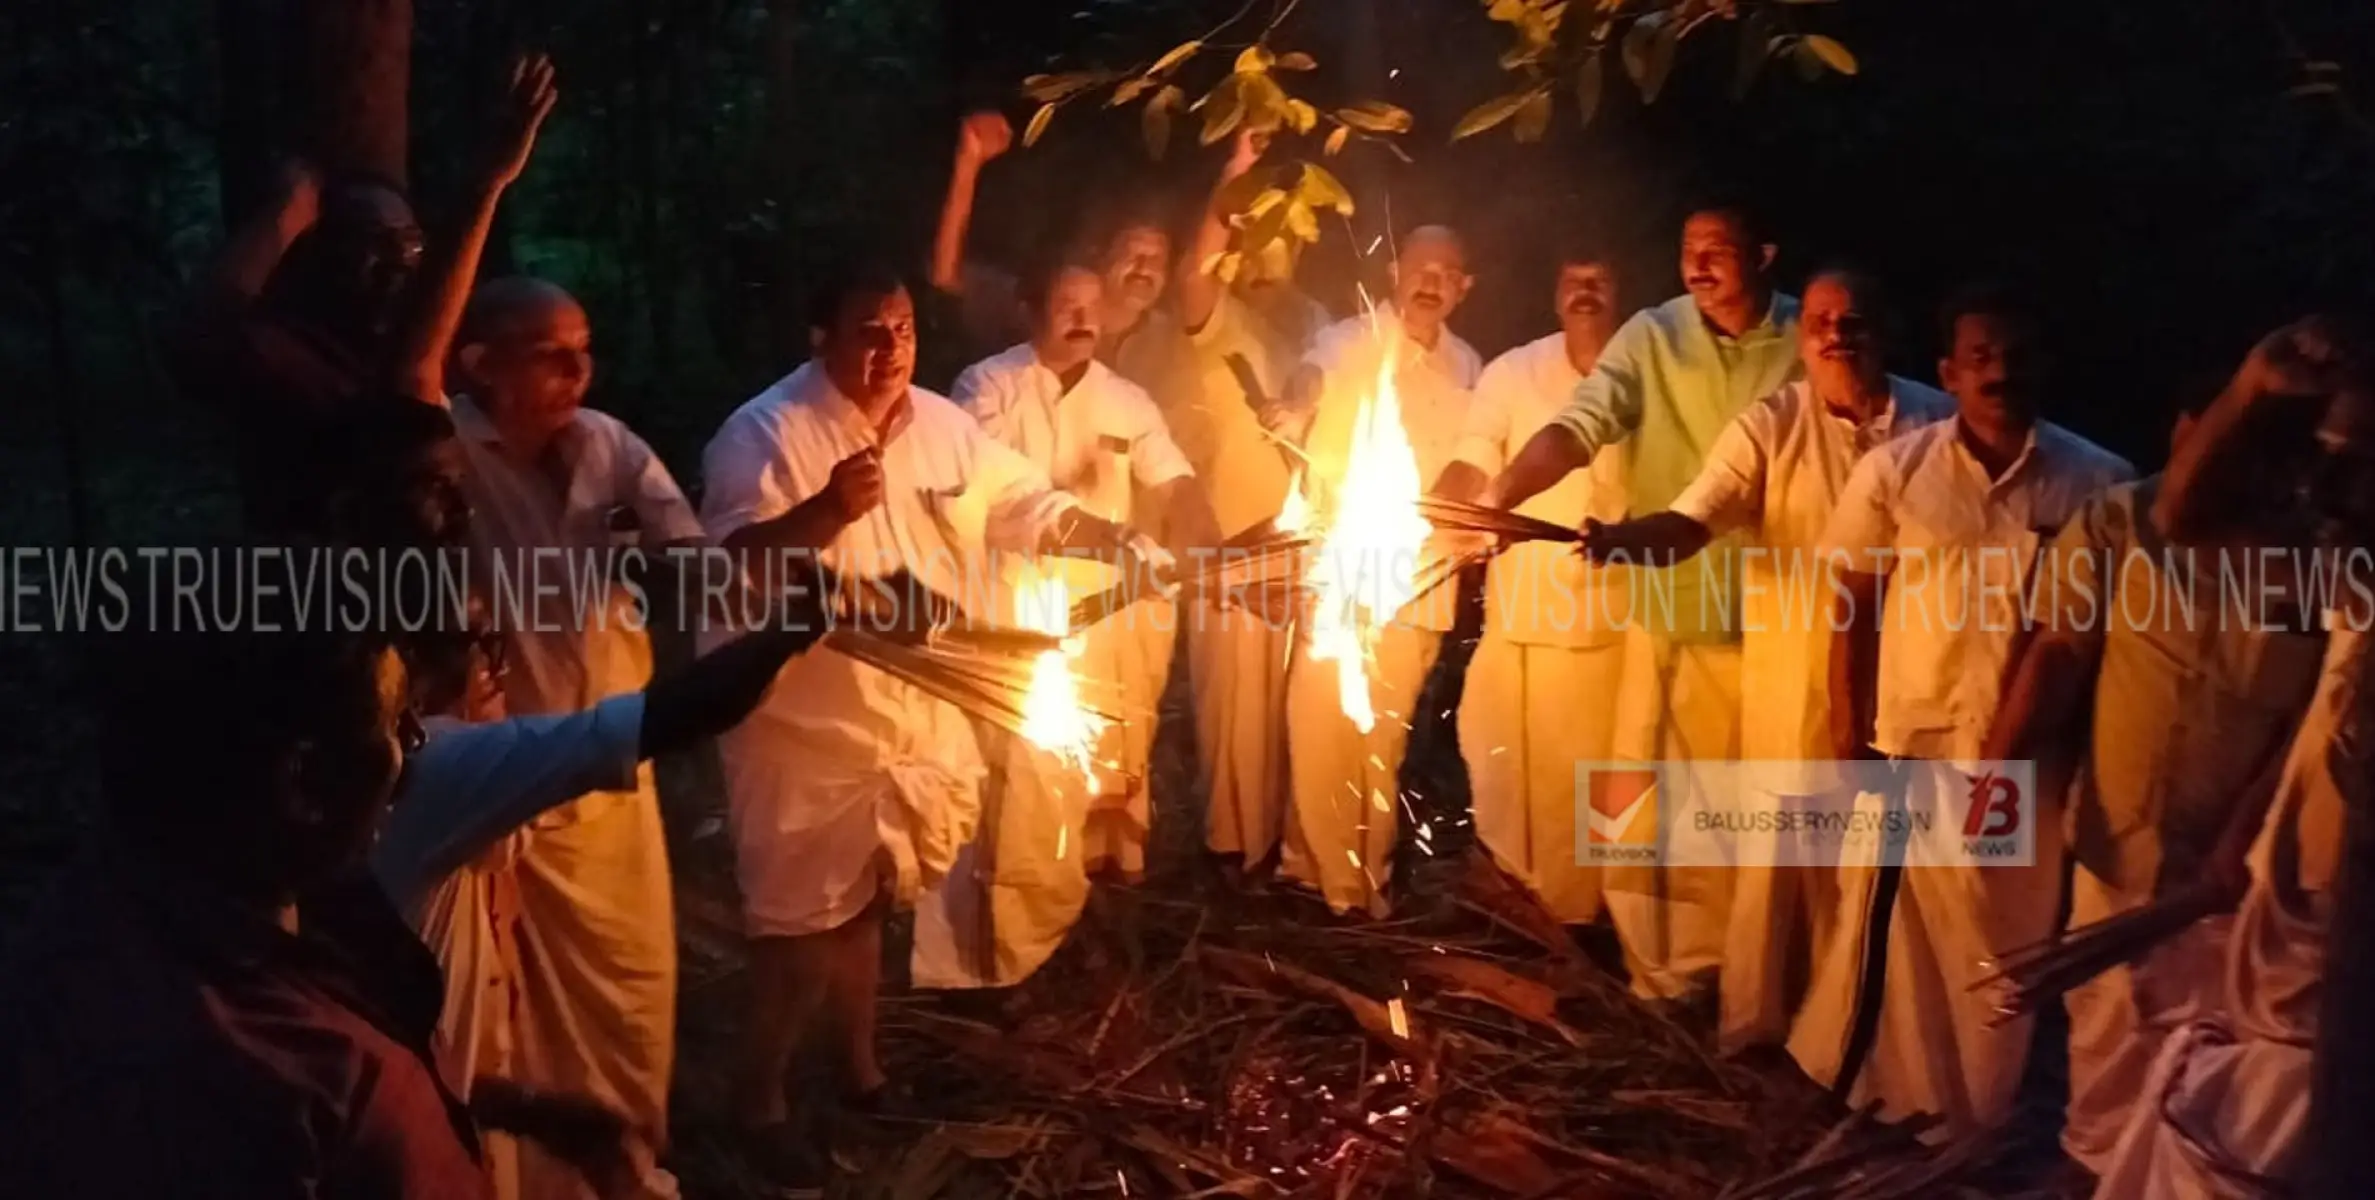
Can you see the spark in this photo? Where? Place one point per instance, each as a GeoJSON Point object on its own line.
{"type": "Point", "coordinates": [1396, 73]}
{"type": "Point", "coordinates": [1398, 1017]}
{"type": "Point", "coordinates": [1377, 801]}
{"type": "Point", "coordinates": [1374, 243]}
{"type": "Point", "coordinates": [1063, 836]}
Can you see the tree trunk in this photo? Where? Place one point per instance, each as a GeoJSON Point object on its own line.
{"type": "Point", "coordinates": [250, 36]}
{"type": "Point", "coordinates": [354, 68]}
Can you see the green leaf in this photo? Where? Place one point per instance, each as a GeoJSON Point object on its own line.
{"type": "Point", "coordinates": [1320, 189]}
{"type": "Point", "coordinates": [1832, 54]}
{"type": "Point", "coordinates": [1335, 143]}
{"type": "Point", "coordinates": [1375, 116]}
{"type": "Point", "coordinates": [1295, 60]}
{"type": "Point", "coordinates": [1636, 48]}
{"type": "Point", "coordinates": [1264, 229]}
{"type": "Point", "coordinates": [1256, 58]}
{"type": "Point", "coordinates": [1175, 56]}
{"type": "Point", "coordinates": [1038, 125]}
{"type": "Point", "coordinates": [1533, 117]}
{"type": "Point", "coordinates": [1048, 89]}
{"type": "Point", "coordinates": [1265, 102]}
{"type": "Point", "coordinates": [1589, 85]}
{"type": "Point", "coordinates": [1488, 114]}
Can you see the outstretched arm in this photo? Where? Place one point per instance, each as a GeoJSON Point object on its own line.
{"type": "Point", "coordinates": [1200, 290]}
{"type": "Point", "coordinates": [981, 137]}
{"type": "Point", "coordinates": [444, 286]}
{"type": "Point", "coordinates": [236, 277]}
{"type": "Point", "coordinates": [1553, 453]}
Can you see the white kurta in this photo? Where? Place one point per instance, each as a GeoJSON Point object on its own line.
{"type": "Point", "coordinates": [1535, 702]}
{"type": "Point", "coordinates": [847, 783]}
{"type": "Point", "coordinates": [597, 916]}
{"type": "Point", "coordinates": [446, 855]}
{"type": "Point", "coordinates": [1775, 475]}
{"type": "Point", "coordinates": [1960, 551]}
{"type": "Point", "coordinates": [1044, 827]}
{"type": "Point", "coordinates": [1343, 817]}
{"type": "Point", "coordinates": [1237, 660]}
{"type": "Point", "coordinates": [2227, 1101]}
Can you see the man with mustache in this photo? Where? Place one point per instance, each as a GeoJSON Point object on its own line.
{"type": "Point", "coordinates": [546, 475]}
{"type": "Point", "coordinates": [851, 791]}
{"type": "Point", "coordinates": [1045, 829]}
{"type": "Point", "coordinates": [1949, 521]}
{"type": "Point", "coordinates": [1552, 627]}
{"type": "Point", "coordinates": [1341, 820]}
{"type": "Point", "coordinates": [1775, 474]}
{"type": "Point", "coordinates": [1246, 335]}
{"type": "Point", "coordinates": [1660, 395]}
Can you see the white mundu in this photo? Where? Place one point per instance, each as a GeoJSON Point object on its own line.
{"type": "Point", "coordinates": [1044, 826]}
{"type": "Point", "coordinates": [1533, 705]}
{"type": "Point", "coordinates": [2227, 1101]}
{"type": "Point", "coordinates": [1775, 474]}
{"type": "Point", "coordinates": [847, 783]}
{"type": "Point", "coordinates": [1960, 550]}
{"type": "Point", "coordinates": [1237, 660]}
{"type": "Point", "coordinates": [1342, 812]}
{"type": "Point", "coordinates": [597, 925]}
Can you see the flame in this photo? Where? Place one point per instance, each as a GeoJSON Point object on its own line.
{"type": "Point", "coordinates": [1366, 566]}
{"type": "Point", "coordinates": [1053, 718]}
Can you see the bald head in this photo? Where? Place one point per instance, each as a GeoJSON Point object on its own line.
{"type": "Point", "coordinates": [527, 352]}
{"type": "Point", "coordinates": [1430, 279]}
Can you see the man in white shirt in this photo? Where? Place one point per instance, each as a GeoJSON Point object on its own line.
{"type": "Point", "coordinates": [1775, 474]}
{"type": "Point", "coordinates": [1341, 820]}
{"type": "Point", "coordinates": [1663, 390]}
{"type": "Point", "coordinates": [1237, 658]}
{"type": "Point", "coordinates": [1950, 520]}
{"type": "Point", "coordinates": [1045, 829]}
{"type": "Point", "coordinates": [1552, 620]}
{"type": "Point", "coordinates": [851, 790]}
{"type": "Point", "coordinates": [550, 484]}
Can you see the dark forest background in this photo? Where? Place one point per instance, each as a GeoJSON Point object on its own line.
{"type": "Point", "coordinates": [2172, 175]}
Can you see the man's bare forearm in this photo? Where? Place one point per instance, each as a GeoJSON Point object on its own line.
{"type": "Point", "coordinates": [1549, 456]}
{"type": "Point", "coordinates": [956, 218]}
{"type": "Point", "coordinates": [1854, 664]}
{"type": "Point", "coordinates": [811, 524]}
{"type": "Point", "coordinates": [1188, 519]}
{"type": "Point", "coordinates": [1464, 482]}
{"type": "Point", "coordinates": [440, 296]}
{"type": "Point", "coordinates": [720, 688]}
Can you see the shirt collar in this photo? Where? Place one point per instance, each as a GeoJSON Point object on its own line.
{"type": "Point", "coordinates": [2020, 463]}
{"type": "Point", "coordinates": [846, 413]}
{"type": "Point", "coordinates": [1780, 310]}
{"type": "Point", "coordinates": [1092, 378]}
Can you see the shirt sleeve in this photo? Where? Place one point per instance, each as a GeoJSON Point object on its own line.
{"type": "Point", "coordinates": [2077, 593]}
{"type": "Point", "coordinates": [646, 485]}
{"type": "Point", "coordinates": [746, 478]}
{"type": "Point", "coordinates": [1155, 459]}
{"type": "Point", "coordinates": [1729, 491]}
{"type": "Point", "coordinates": [1023, 505]}
{"type": "Point", "coordinates": [1484, 433]}
{"type": "Point", "coordinates": [1862, 531]}
{"type": "Point", "coordinates": [1606, 408]}
{"type": "Point", "coordinates": [471, 785]}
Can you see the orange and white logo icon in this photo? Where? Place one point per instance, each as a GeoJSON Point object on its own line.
{"type": "Point", "coordinates": [1623, 808]}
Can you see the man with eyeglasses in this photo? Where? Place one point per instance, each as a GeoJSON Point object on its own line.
{"type": "Point", "coordinates": [323, 301]}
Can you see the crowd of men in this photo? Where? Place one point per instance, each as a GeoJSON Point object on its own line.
{"type": "Point", "coordinates": [388, 915]}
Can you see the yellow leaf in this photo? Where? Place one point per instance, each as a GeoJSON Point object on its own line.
{"type": "Point", "coordinates": [1265, 102]}
{"type": "Point", "coordinates": [1224, 107]}
{"type": "Point", "coordinates": [1047, 89]}
{"type": "Point", "coordinates": [1488, 114]}
{"type": "Point", "coordinates": [1277, 260]}
{"type": "Point", "coordinates": [1588, 86]}
{"type": "Point", "coordinates": [1301, 115]}
{"type": "Point", "coordinates": [1128, 91]}
{"type": "Point", "coordinates": [1336, 140]}
{"type": "Point", "coordinates": [1832, 54]}
{"type": "Point", "coordinates": [1155, 125]}
{"type": "Point", "coordinates": [1533, 117]}
{"type": "Point", "coordinates": [1238, 195]}
{"type": "Point", "coordinates": [1323, 190]}
{"type": "Point", "coordinates": [1256, 58]}
{"type": "Point", "coordinates": [1295, 60]}
{"type": "Point", "coordinates": [1505, 10]}
{"type": "Point", "coordinates": [1175, 56]}
{"type": "Point", "coordinates": [1375, 116]}
{"type": "Point", "coordinates": [1038, 125]}
{"type": "Point", "coordinates": [1211, 263]}
{"type": "Point", "coordinates": [1301, 222]}
{"type": "Point", "coordinates": [1269, 199]}
{"type": "Point", "coordinates": [1229, 265]}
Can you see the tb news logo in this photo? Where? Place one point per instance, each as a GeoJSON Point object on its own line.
{"type": "Point", "coordinates": [1994, 828]}
{"type": "Point", "coordinates": [1620, 816]}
